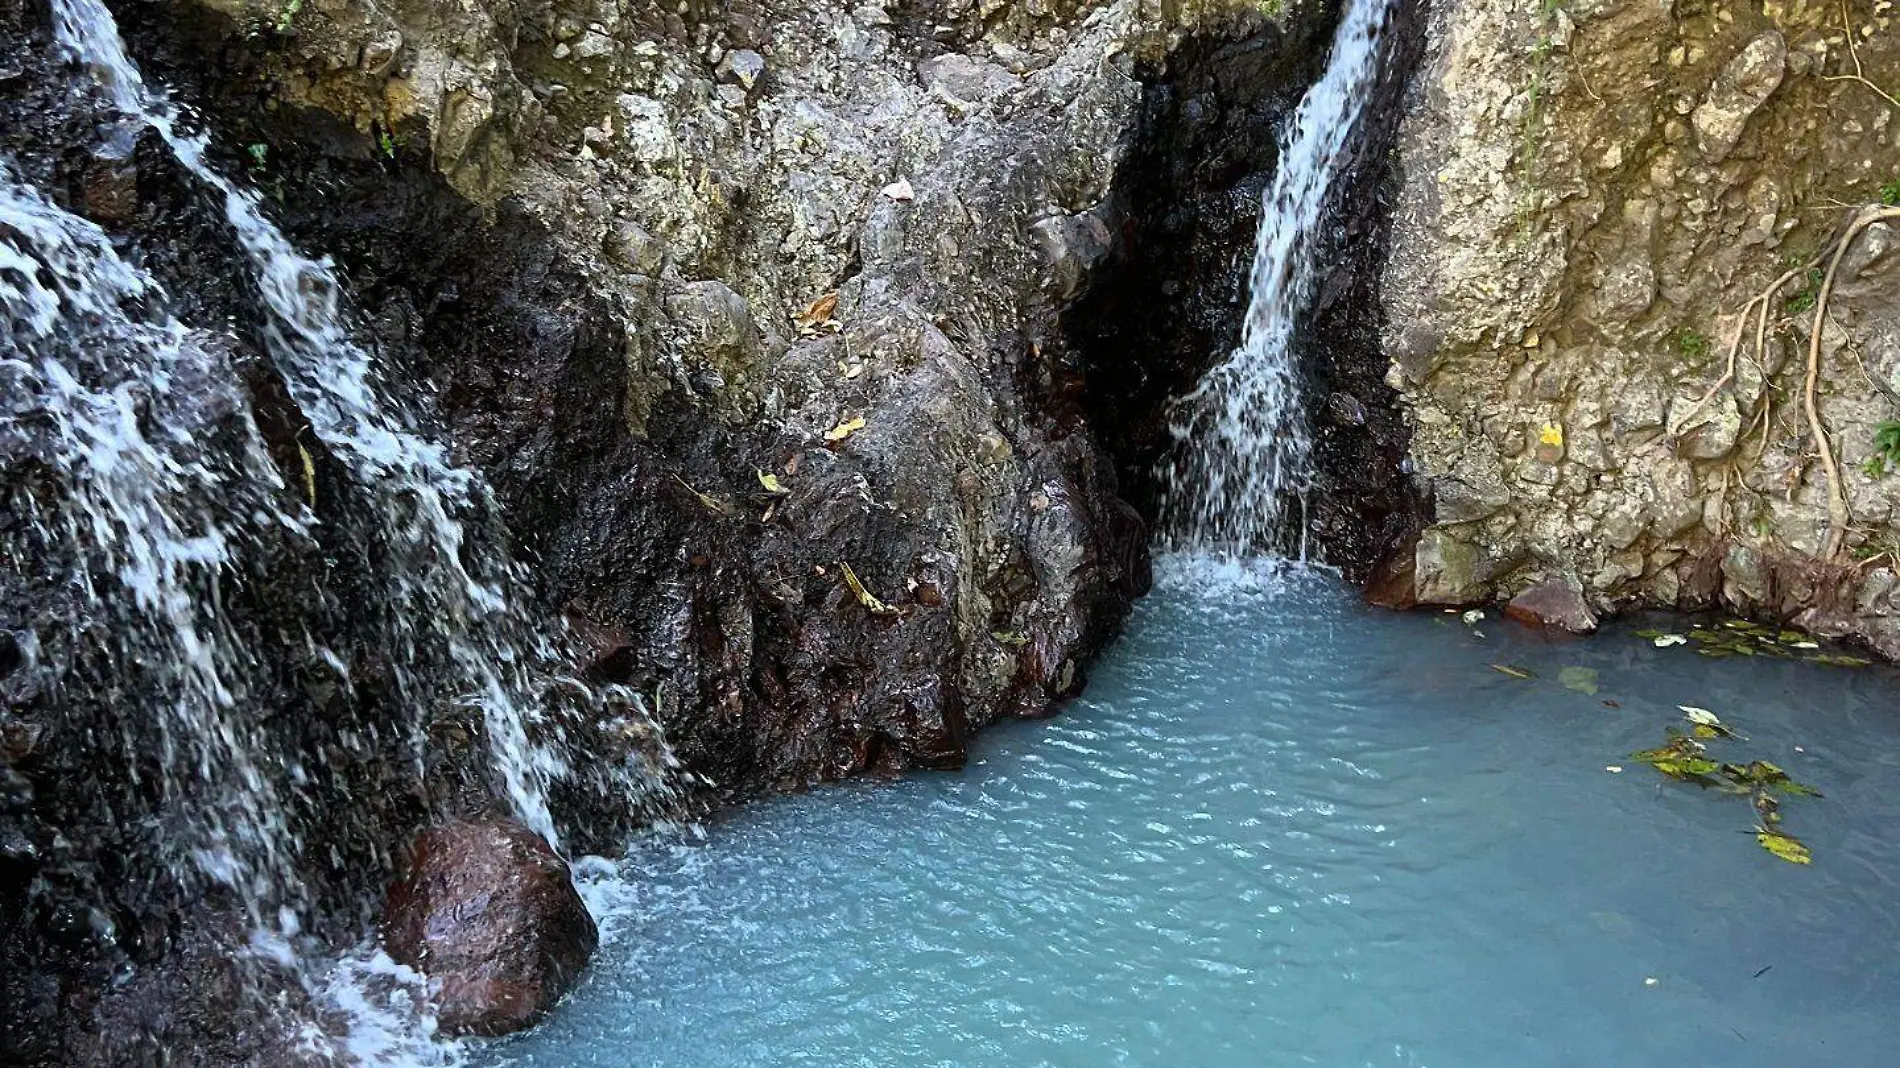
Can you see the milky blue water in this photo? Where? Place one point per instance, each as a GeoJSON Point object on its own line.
{"type": "Point", "coordinates": [1283, 829]}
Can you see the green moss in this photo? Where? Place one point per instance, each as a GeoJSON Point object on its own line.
{"type": "Point", "coordinates": [1692, 344]}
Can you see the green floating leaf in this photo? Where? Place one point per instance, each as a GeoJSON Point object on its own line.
{"type": "Point", "coordinates": [1836, 660]}
{"type": "Point", "coordinates": [1784, 846]}
{"type": "Point", "coordinates": [1682, 759]}
{"type": "Point", "coordinates": [1581, 679]}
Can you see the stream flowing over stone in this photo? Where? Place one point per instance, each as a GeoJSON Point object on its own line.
{"type": "Point", "coordinates": [1242, 444]}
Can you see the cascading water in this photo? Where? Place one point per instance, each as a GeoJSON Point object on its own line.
{"type": "Point", "coordinates": [154, 509]}
{"type": "Point", "coordinates": [440, 582]}
{"type": "Point", "coordinates": [163, 483]}
{"type": "Point", "coordinates": [1241, 456]}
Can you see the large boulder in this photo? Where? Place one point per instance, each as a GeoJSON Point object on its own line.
{"type": "Point", "coordinates": [487, 911]}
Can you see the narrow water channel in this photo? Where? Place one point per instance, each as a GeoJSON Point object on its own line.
{"type": "Point", "coordinates": [1284, 829]}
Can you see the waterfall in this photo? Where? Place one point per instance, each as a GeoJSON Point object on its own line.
{"type": "Point", "coordinates": [154, 510]}
{"type": "Point", "coordinates": [164, 488]}
{"type": "Point", "coordinates": [1241, 459]}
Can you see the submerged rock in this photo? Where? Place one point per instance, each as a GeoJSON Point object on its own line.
{"type": "Point", "coordinates": [488, 912]}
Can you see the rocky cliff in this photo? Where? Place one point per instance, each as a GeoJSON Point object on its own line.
{"type": "Point", "coordinates": [1641, 304]}
{"type": "Point", "coordinates": [764, 322]}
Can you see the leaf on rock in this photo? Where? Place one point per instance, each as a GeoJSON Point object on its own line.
{"type": "Point", "coordinates": [1581, 679]}
{"type": "Point", "coordinates": [772, 484]}
{"type": "Point", "coordinates": [1787, 848]}
{"type": "Point", "coordinates": [816, 314]}
{"type": "Point", "coordinates": [844, 429]}
{"type": "Point", "coordinates": [865, 597]}
{"type": "Point", "coordinates": [309, 474]}
{"type": "Point", "coordinates": [712, 504]}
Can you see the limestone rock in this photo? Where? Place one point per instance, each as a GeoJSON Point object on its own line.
{"type": "Point", "coordinates": [1740, 91]}
{"type": "Point", "coordinates": [487, 911]}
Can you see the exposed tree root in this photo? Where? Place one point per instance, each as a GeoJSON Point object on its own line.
{"type": "Point", "coordinates": [1837, 513]}
{"type": "Point", "coordinates": [1859, 76]}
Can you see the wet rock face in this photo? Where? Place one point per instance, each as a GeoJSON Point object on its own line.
{"type": "Point", "coordinates": [488, 912]}
{"type": "Point", "coordinates": [1594, 197]}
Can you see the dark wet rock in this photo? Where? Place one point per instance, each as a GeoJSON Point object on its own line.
{"type": "Point", "coordinates": [1553, 605]}
{"type": "Point", "coordinates": [488, 912]}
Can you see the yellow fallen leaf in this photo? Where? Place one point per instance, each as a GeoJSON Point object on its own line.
{"type": "Point", "coordinates": [711, 503]}
{"type": "Point", "coordinates": [1514, 672]}
{"type": "Point", "coordinates": [845, 429]}
{"type": "Point", "coordinates": [771, 483]}
{"type": "Point", "coordinates": [865, 597]}
{"type": "Point", "coordinates": [309, 474]}
{"type": "Point", "coordinates": [816, 314]}
{"type": "Point", "coordinates": [1552, 434]}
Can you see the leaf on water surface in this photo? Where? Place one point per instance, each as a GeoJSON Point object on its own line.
{"type": "Point", "coordinates": [865, 597]}
{"type": "Point", "coordinates": [1836, 660]}
{"type": "Point", "coordinates": [1514, 672]}
{"type": "Point", "coordinates": [1476, 615]}
{"type": "Point", "coordinates": [844, 429]}
{"type": "Point", "coordinates": [1682, 759]}
{"type": "Point", "coordinates": [1581, 679]}
{"type": "Point", "coordinates": [1707, 724]}
{"type": "Point", "coordinates": [1664, 641]}
{"type": "Point", "coordinates": [1784, 846]}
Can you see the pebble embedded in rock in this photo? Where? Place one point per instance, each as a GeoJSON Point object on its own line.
{"type": "Point", "coordinates": [743, 66]}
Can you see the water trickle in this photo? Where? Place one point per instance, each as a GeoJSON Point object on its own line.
{"type": "Point", "coordinates": [461, 628]}
{"type": "Point", "coordinates": [153, 508]}
{"type": "Point", "coordinates": [1240, 466]}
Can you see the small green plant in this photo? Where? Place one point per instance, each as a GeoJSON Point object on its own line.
{"type": "Point", "coordinates": [1693, 344]}
{"type": "Point", "coordinates": [387, 143]}
{"type": "Point", "coordinates": [1809, 294]}
{"type": "Point", "coordinates": [260, 156]}
{"type": "Point", "coordinates": [288, 15]}
{"type": "Point", "coordinates": [1886, 454]}
{"type": "Point", "coordinates": [1890, 194]}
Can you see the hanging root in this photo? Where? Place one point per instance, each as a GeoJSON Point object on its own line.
{"type": "Point", "coordinates": [1859, 76]}
{"type": "Point", "coordinates": [1837, 513]}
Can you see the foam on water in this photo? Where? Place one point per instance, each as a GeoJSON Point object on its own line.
{"type": "Point", "coordinates": [1284, 829]}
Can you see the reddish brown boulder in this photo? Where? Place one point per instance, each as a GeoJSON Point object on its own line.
{"type": "Point", "coordinates": [488, 912]}
{"type": "Point", "coordinates": [1553, 605]}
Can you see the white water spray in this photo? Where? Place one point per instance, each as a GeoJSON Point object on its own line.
{"type": "Point", "coordinates": [422, 496]}
{"type": "Point", "coordinates": [1242, 449]}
